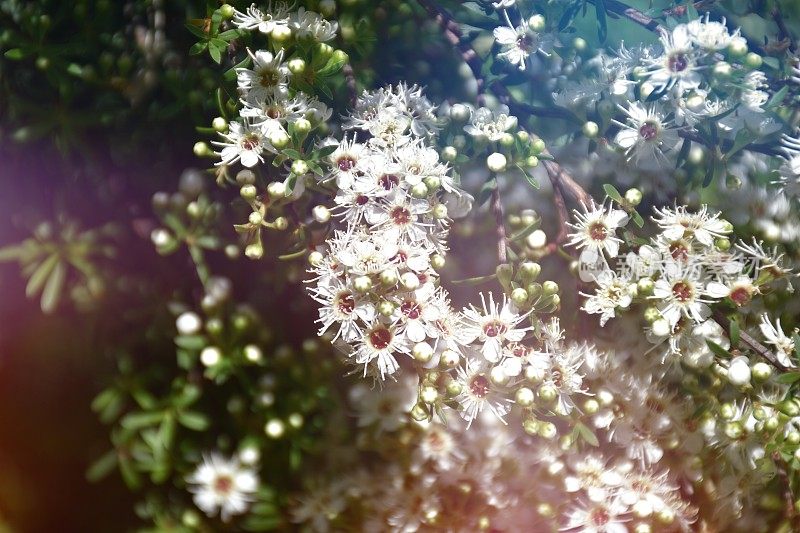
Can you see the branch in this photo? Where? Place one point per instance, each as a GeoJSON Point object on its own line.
{"type": "Point", "coordinates": [350, 83]}
{"type": "Point", "coordinates": [633, 14]}
{"type": "Point", "coordinates": [561, 208]}
{"type": "Point", "coordinates": [788, 495]}
{"type": "Point", "coordinates": [754, 345]}
{"type": "Point", "coordinates": [783, 31]}
{"type": "Point", "coordinates": [499, 221]}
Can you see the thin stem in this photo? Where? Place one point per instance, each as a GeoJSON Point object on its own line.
{"type": "Point", "coordinates": [754, 345]}
{"type": "Point", "coordinates": [199, 264]}
{"type": "Point", "coordinates": [783, 31]}
{"type": "Point", "coordinates": [497, 209]}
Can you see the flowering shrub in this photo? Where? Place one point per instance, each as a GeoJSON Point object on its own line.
{"type": "Point", "coordinates": [504, 340]}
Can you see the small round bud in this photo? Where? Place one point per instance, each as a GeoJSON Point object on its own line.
{"type": "Point", "coordinates": [645, 287]}
{"type": "Point", "coordinates": [733, 430]}
{"type": "Point", "coordinates": [282, 34]}
{"type": "Point", "coordinates": [276, 190]}
{"type": "Point", "coordinates": [420, 412]}
{"type": "Point", "coordinates": [530, 426]}
{"type": "Point", "coordinates": [255, 218]}
{"type": "Point", "coordinates": [449, 359]}
{"type": "Point", "coordinates": [275, 428]}
{"type": "Point", "coordinates": [459, 113]}
{"type": "Point", "coordinates": [432, 182]}
{"type": "Point", "coordinates": [454, 388]}
{"type": "Point", "coordinates": [536, 22]}
{"type": "Point", "coordinates": [579, 44]}
{"type": "Point", "coordinates": [739, 371]}
{"type": "Point", "coordinates": [591, 406]}
{"type": "Point", "coordinates": [389, 277]}
{"type": "Point", "coordinates": [210, 356]}
{"type": "Point", "coordinates": [420, 190]}
{"type": "Point", "coordinates": [422, 352]}
{"type": "Point", "coordinates": [722, 243]}
{"type": "Point", "coordinates": [665, 515]}
{"type": "Point", "coordinates": [188, 323]}
{"type": "Point", "coordinates": [524, 136]}
{"type": "Point", "coordinates": [498, 375]}
{"type": "Point", "coordinates": [530, 271]}
{"type": "Point", "coordinates": [548, 430]}
{"type": "Point", "coordinates": [537, 239]}
{"type": "Point", "coordinates": [362, 283]}
{"type": "Point", "coordinates": [722, 69]}
{"type": "Point", "coordinates": [549, 288]}
{"type": "Point", "coordinates": [537, 146]}
{"type": "Point", "coordinates": [524, 397]}
{"type": "Point", "coordinates": [227, 11]}
{"type": "Point", "coordinates": [531, 161]}
{"type": "Point", "coordinates": [633, 197]}
{"type": "Point", "coordinates": [201, 149]}
{"type": "Point", "coordinates": [733, 182]}
{"type": "Point", "coordinates": [661, 328]}
{"type": "Point", "coordinates": [439, 211]}
{"type": "Point", "coordinates": [321, 214]}
{"type": "Point", "coordinates": [254, 251]}
{"type": "Point", "coordinates": [789, 408]}
{"type": "Point", "coordinates": [761, 372]}
{"type": "Point", "coordinates": [301, 126]}
{"type": "Point", "coordinates": [437, 261]}
{"type": "Point", "coordinates": [591, 129]}
{"type": "Point", "coordinates": [547, 393]}
{"type": "Point", "coordinates": [245, 177]}
{"type": "Point", "coordinates": [300, 167]}
{"type": "Point", "coordinates": [519, 296]}
{"type": "Point", "coordinates": [279, 139]}
{"type": "Point", "coordinates": [496, 162]}
{"type": "Point", "coordinates": [409, 281]}
{"type": "Point", "coordinates": [315, 258]}
{"type": "Point", "coordinates": [248, 192]}
{"type": "Point", "coordinates": [386, 308]}
{"type": "Point", "coordinates": [737, 48]}
{"type": "Point", "coordinates": [507, 140]}
{"type": "Point", "coordinates": [533, 374]}
{"type": "Point", "coordinates": [161, 238]}
{"type": "Point", "coordinates": [219, 124]}
{"type": "Point", "coordinates": [281, 223]}
{"type": "Point", "coordinates": [327, 7]}
{"type": "Point", "coordinates": [449, 154]}
{"type": "Point", "coordinates": [253, 353]}
{"type": "Point", "coordinates": [753, 60]}
{"type": "Point", "coordinates": [190, 519]}
{"type": "Point", "coordinates": [429, 394]}
{"type": "Point", "coordinates": [296, 66]}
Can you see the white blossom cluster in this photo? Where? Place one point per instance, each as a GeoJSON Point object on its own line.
{"type": "Point", "coordinates": [679, 273]}
{"type": "Point", "coordinates": [434, 475]}
{"type": "Point", "coordinates": [269, 105]}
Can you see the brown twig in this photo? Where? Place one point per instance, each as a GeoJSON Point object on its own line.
{"type": "Point", "coordinates": [754, 345]}
{"type": "Point", "coordinates": [788, 494]}
{"type": "Point", "coordinates": [563, 214]}
{"type": "Point", "coordinates": [350, 83]}
{"type": "Point", "coordinates": [499, 221]}
{"type": "Point", "coordinates": [633, 14]}
{"type": "Point", "coordinates": [783, 31]}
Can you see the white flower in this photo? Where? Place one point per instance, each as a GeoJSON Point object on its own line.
{"type": "Point", "coordinates": [740, 290]}
{"type": "Point", "coordinates": [710, 34]}
{"type": "Point", "coordinates": [517, 43]}
{"type": "Point", "coordinates": [265, 21]}
{"type": "Point", "coordinates": [478, 392]}
{"type": "Point", "coordinates": [307, 24]}
{"type": "Point", "coordinates": [680, 295]}
{"type": "Point", "coordinates": [596, 229]}
{"type": "Point", "coordinates": [222, 486]}
{"type": "Point", "coordinates": [243, 142]}
{"type": "Point", "coordinates": [606, 516]}
{"type": "Point", "coordinates": [774, 335]}
{"type": "Point", "coordinates": [380, 344]}
{"type": "Point", "coordinates": [492, 327]}
{"type": "Point", "coordinates": [485, 123]}
{"type": "Point", "coordinates": [678, 223]}
{"type": "Point", "coordinates": [645, 135]}
{"type": "Point", "coordinates": [269, 74]}
{"type": "Point", "coordinates": [348, 161]}
{"type": "Point", "coordinates": [677, 65]}
{"type": "Point", "coordinates": [339, 304]}
{"type": "Point", "coordinates": [612, 293]}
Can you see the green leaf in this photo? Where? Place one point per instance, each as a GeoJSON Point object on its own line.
{"type": "Point", "coordinates": [587, 434]}
{"type": "Point", "coordinates": [141, 420]}
{"type": "Point", "coordinates": [11, 253]}
{"type": "Point", "coordinates": [15, 54]}
{"type": "Point", "coordinates": [215, 53]}
{"type": "Point", "coordinates": [777, 98]}
{"type": "Point", "coordinates": [613, 193]}
{"type": "Point", "coordinates": [102, 466]}
{"type": "Point", "coordinates": [40, 275]}
{"type": "Point", "coordinates": [292, 154]}
{"type": "Point", "coordinates": [602, 25]}
{"type": "Point", "coordinates": [198, 48]}
{"type": "Point", "coordinates": [194, 420]}
{"type": "Point", "coordinates": [788, 378]}
{"type": "Point", "coordinates": [637, 219]}
{"type": "Point", "coordinates": [52, 289]}
{"type": "Point", "coordinates": [191, 342]}
{"type": "Point", "coordinates": [743, 138]}
{"type": "Point", "coordinates": [734, 332]}
{"type": "Point", "coordinates": [196, 31]}
{"type": "Point", "coordinates": [486, 191]}
{"type": "Point", "coordinates": [719, 350]}
{"type": "Point", "coordinates": [771, 62]}
{"type": "Point", "coordinates": [325, 151]}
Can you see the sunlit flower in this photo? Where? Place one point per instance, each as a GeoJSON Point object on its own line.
{"type": "Point", "coordinates": [222, 486]}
